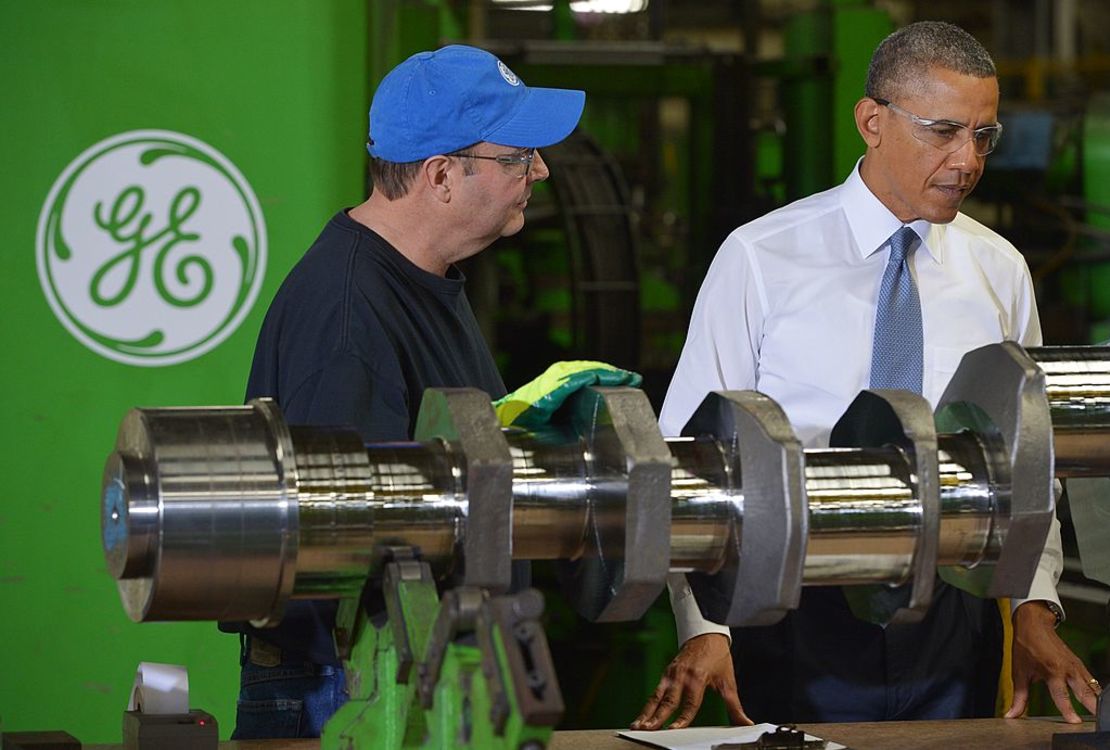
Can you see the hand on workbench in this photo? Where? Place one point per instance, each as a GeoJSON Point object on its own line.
{"type": "Point", "coordinates": [1039, 654]}
{"type": "Point", "coordinates": [703, 661]}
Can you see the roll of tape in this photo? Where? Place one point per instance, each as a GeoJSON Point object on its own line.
{"type": "Point", "coordinates": [160, 689]}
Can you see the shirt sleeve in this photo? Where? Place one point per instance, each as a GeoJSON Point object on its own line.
{"type": "Point", "coordinates": [722, 344]}
{"type": "Point", "coordinates": [1051, 564]}
{"type": "Point", "coordinates": [687, 615]}
{"type": "Point", "coordinates": [1027, 322]}
{"type": "Point", "coordinates": [1049, 568]}
{"type": "Point", "coordinates": [721, 353]}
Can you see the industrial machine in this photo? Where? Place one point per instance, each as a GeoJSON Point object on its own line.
{"type": "Point", "coordinates": [227, 513]}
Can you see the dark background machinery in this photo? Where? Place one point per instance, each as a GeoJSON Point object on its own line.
{"type": "Point", "coordinates": [703, 115]}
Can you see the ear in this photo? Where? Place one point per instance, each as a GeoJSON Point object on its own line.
{"type": "Point", "coordinates": [436, 173]}
{"type": "Point", "coordinates": [868, 121]}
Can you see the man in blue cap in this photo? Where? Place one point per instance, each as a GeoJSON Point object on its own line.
{"type": "Point", "coordinates": [376, 311]}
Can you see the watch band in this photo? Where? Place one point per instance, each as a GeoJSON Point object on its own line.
{"type": "Point", "coordinates": [1054, 608]}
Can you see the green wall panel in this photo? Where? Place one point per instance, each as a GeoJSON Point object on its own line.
{"type": "Point", "coordinates": [857, 31]}
{"type": "Point", "coordinates": [280, 89]}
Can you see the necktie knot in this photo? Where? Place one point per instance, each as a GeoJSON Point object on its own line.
{"type": "Point", "coordinates": [901, 242]}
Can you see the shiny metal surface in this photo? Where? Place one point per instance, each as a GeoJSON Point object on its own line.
{"type": "Point", "coordinates": [760, 579]}
{"type": "Point", "coordinates": [318, 504]}
{"type": "Point", "coordinates": [704, 497]}
{"type": "Point", "coordinates": [551, 480]}
{"type": "Point", "coordinates": [998, 392]}
{"type": "Point", "coordinates": [179, 496]}
{"type": "Point", "coordinates": [863, 516]}
{"type": "Point", "coordinates": [462, 420]}
{"type": "Point", "coordinates": [967, 500]}
{"type": "Point", "coordinates": [414, 498]}
{"type": "Point", "coordinates": [1077, 385]}
{"type": "Point", "coordinates": [887, 419]}
{"type": "Point", "coordinates": [627, 540]}
{"type": "Point", "coordinates": [226, 513]}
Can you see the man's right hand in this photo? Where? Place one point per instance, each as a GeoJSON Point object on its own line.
{"type": "Point", "coordinates": [703, 661]}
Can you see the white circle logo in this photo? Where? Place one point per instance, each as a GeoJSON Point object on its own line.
{"type": "Point", "coordinates": [508, 75]}
{"type": "Point", "coordinates": [151, 248]}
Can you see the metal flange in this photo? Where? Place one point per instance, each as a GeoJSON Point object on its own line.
{"type": "Point", "coordinates": [998, 392]}
{"type": "Point", "coordinates": [627, 556]}
{"type": "Point", "coordinates": [176, 545]}
{"type": "Point", "coordinates": [464, 420]}
{"type": "Point", "coordinates": [880, 417]}
{"type": "Point", "coordinates": [761, 577]}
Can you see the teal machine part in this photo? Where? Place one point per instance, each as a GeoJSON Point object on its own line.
{"type": "Point", "coordinates": [228, 513]}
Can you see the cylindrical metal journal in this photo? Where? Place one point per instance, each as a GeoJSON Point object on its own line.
{"type": "Point", "coordinates": [863, 516]}
{"type": "Point", "coordinates": [1077, 384]}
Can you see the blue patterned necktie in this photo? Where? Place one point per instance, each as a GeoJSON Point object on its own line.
{"type": "Point", "coordinates": [896, 362]}
{"type": "Point", "coordinates": [896, 356]}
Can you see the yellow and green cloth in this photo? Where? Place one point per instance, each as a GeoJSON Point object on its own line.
{"type": "Point", "coordinates": [532, 404]}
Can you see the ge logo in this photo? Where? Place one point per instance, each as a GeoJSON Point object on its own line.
{"type": "Point", "coordinates": [151, 248]}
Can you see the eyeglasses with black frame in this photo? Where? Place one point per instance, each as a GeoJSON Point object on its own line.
{"type": "Point", "coordinates": [524, 158]}
{"type": "Point", "coordinates": [946, 135]}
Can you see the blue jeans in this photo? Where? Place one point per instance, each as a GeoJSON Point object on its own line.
{"type": "Point", "coordinates": [281, 697]}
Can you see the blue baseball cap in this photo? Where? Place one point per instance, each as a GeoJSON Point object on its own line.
{"type": "Point", "coordinates": [442, 101]}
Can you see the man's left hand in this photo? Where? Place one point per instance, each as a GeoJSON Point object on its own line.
{"type": "Point", "coordinates": [1039, 654]}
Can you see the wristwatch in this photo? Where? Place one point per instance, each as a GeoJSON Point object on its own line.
{"type": "Point", "coordinates": [1054, 608]}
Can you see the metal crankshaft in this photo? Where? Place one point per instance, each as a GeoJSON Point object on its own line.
{"type": "Point", "coordinates": [228, 512]}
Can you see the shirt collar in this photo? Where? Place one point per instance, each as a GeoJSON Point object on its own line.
{"type": "Point", "coordinates": [872, 223]}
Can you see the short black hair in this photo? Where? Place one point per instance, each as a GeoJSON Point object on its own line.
{"type": "Point", "coordinates": [903, 59]}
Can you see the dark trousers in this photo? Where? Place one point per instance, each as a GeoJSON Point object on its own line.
{"type": "Point", "coordinates": [822, 664]}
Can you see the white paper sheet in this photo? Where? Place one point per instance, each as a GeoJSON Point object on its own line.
{"type": "Point", "coordinates": [704, 738]}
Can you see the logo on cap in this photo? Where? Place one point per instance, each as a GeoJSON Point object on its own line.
{"type": "Point", "coordinates": [508, 75]}
{"type": "Point", "coordinates": [151, 248]}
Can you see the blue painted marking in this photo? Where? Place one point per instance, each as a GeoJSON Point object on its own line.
{"type": "Point", "coordinates": [113, 527]}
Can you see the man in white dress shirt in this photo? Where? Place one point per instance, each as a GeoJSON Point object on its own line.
{"type": "Point", "coordinates": [788, 308]}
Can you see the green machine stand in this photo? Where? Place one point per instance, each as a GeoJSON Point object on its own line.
{"type": "Point", "coordinates": [464, 671]}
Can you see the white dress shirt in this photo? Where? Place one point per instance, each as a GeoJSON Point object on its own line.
{"type": "Point", "coordinates": [788, 309]}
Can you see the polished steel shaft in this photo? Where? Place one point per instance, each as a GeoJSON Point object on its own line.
{"type": "Point", "coordinates": [234, 505]}
{"type": "Point", "coordinates": [1077, 385]}
{"type": "Point", "coordinates": [226, 513]}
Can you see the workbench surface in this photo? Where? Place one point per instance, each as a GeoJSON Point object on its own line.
{"type": "Point", "coordinates": [966, 734]}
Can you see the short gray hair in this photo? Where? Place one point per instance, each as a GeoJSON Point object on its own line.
{"type": "Point", "coordinates": [903, 59]}
{"type": "Point", "coordinates": [393, 179]}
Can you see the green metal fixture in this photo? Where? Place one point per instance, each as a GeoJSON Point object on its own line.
{"type": "Point", "coordinates": [417, 682]}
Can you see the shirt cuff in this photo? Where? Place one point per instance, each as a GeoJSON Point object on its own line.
{"type": "Point", "coordinates": [1049, 568]}
{"type": "Point", "coordinates": [1043, 589]}
{"type": "Point", "coordinates": [688, 619]}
